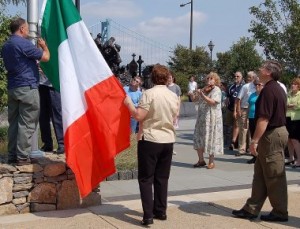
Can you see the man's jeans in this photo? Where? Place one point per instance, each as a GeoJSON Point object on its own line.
{"type": "Point", "coordinates": [23, 116]}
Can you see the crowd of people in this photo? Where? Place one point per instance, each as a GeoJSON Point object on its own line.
{"type": "Point", "coordinates": [259, 118]}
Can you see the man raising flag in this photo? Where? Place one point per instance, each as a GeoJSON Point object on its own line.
{"type": "Point", "coordinates": [95, 120]}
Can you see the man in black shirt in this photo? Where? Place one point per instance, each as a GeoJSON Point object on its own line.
{"type": "Point", "coordinates": [231, 116]}
{"type": "Point", "coordinates": [268, 143]}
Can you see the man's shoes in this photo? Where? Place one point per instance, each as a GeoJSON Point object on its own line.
{"type": "Point", "coordinates": [146, 222]}
{"type": "Point", "coordinates": [199, 164]}
{"type": "Point", "coordinates": [289, 162]}
{"type": "Point", "coordinates": [60, 150]}
{"type": "Point", "coordinates": [46, 148]}
{"type": "Point", "coordinates": [251, 161]}
{"type": "Point", "coordinates": [24, 161]}
{"type": "Point", "coordinates": [273, 218]}
{"type": "Point", "coordinates": [160, 217]}
{"type": "Point", "coordinates": [12, 161]}
{"type": "Point", "coordinates": [243, 214]}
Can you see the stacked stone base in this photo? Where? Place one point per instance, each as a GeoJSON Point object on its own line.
{"type": "Point", "coordinates": [46, 185]}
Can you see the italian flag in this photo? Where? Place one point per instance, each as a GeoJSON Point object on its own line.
{"type": "Point", "coordinates": [95, 120]}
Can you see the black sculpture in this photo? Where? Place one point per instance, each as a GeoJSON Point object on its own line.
{"type": "Point", "coordinates": [110, 51]}
{"type": "Point", "coordinates": [147, 77]}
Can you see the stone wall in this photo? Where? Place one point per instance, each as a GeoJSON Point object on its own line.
{"type": "Point", "coordinates": [46, 185]}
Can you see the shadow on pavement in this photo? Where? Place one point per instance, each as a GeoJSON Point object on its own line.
{"type": "Point", "coordinates": [117, 212]}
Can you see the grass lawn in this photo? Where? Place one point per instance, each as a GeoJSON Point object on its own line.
{"type": "Point", "coordinates": [126, 160]}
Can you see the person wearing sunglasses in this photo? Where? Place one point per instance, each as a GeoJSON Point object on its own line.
{"type": "Point", "coordinates": [251, 112]}
{"type": "Point", "coordinates": [231, 117]}
{"type": "Point", "coordinates": [241, 111]}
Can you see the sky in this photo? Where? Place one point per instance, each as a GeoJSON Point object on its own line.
{"type": "Point", "coordinates": [164, 21]}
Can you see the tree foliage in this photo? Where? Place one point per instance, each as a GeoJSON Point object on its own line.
{"type": "Point", "coordinates": [242, 57]}
{"type": "Point", "coordinates": [186, 62]}
{"type": "Point", "coordinates": [276, 27]}
{"type": "Point", "coordinates": [4, 34]}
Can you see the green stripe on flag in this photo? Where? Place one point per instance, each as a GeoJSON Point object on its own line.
{"type": "Point", "coordinates": [58, 16]}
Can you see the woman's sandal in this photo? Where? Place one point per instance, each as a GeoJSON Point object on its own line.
{"type": "Point", "coordinates": [199, 164]}
{"type": "Point", "coordinates": [211, 165]}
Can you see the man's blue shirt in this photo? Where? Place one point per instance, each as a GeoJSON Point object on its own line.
{"type": "Point", "coordinates": [20, 56]}
{"type": "Point", "coordinates": [134, 95]}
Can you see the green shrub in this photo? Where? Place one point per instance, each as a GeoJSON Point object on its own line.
{"type": "Point", "coordinates": [3, 133]}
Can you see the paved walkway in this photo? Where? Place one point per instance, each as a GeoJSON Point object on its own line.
{"type": "Point", "coordinates": [198, 198]}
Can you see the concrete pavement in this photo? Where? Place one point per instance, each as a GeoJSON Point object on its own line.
{"type": "Point", "coordinates": [198, 197]}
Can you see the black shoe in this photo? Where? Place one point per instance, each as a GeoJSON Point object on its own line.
{"type": "Point", "coordinates": [12, 161]}
{"type": "Point", "coordinates": [60, 150]}
{"type": "Point", "coordinates": [46, 148]}
{"type": "Point", "coordinates": [289, 162]}
{"type": "Point", "coordinates": [273, 218]}
{"type": "Point", "coordinates": [160, 217]}
{"type": "Point", "coordinates": [243, 214]}
{"type": "Point", "coordinates": [146, 222]}
{"type": "Point", "coordinates": [251, 161]}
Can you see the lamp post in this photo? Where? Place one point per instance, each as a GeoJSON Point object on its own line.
{"type": "Point", "coordinates": [191, 23]}
{"type": "Point", "coordinates": [211, 46]}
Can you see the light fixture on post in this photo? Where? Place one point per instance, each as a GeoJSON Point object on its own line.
{"type": "Point", "coordinates": [191, 23]}
{"type": "Point", "coordinates": [211, 46]}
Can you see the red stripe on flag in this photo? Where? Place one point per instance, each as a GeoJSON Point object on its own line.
{"type": "Point", "coordinates": [94, 139]}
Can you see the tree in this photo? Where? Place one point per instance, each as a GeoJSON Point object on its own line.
{"type": "Point", "coordinates": [186, 62]}
{"type": "Point", "coordinates": [223, 65]}
{"type": "Point", "coordinates": [4, 34]}
{"type": "Point", "coordinates": [276, 27]}
{"type": "Point", "coordinates": [242, 57]}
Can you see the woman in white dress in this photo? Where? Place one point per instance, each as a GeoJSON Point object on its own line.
{"type": "Point", "coordinates": [208, 135]}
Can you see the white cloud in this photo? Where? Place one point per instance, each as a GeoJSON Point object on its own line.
{"type": "Point", "coordinates": [162, 27]}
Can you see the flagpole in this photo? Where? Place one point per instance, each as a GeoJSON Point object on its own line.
{"type": "Point", "coordinates": [32, 20]}
{"type": "Point", "coordinates": [77, 4]}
